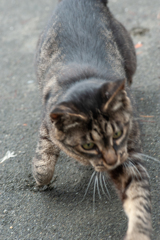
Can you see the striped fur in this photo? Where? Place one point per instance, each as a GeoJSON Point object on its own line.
{"type": "Point", "coordinates": [84, 63]}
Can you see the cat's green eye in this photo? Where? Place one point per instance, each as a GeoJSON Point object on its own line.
{"type": "Point", "coordinates": [117, 134]}
{"type": "Point", "coordinates": [88, 146]}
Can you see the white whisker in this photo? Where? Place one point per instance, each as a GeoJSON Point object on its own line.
{"type": "Point", "coordinates": [94, 194]}
{"type": "Point", "coordinates": [97, 178]}
{"type": "Point", "coordinates": [145, 157]}
{"type": "Point", "coordinates": [102, 184]}
{"type": "Point", "coordinates": [144, 170]}
{"type": "Point", "coordinates": [93, 174]}
{"type": "Point", "coordinates": [132, 163]}
{"type": "Point", "coordinates": [126, 165]}
{"type": "Point", "coordinates": [131, 169]}
{"type": "Point", "coordinates": [106, 186]}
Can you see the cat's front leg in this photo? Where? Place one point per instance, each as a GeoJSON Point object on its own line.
{"type": "Point", "coordinates": [132, 182]}
{"type": "Point", "coordinates": [46, 156]}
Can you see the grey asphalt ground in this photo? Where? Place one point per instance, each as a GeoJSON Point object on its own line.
{"type": "Point", "coordinates": [58, 212]}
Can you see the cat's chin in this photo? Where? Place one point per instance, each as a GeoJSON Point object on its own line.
{"type": "Point", "coordinates": [100, 169]}
{"type": "Point", "coordinates": [111, 167]}
{"type": "Point", "coordinates": [102, 166]}
{"type": "Point", "coordinates": [105, 169]}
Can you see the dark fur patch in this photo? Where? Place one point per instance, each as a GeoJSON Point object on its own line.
{"type": "Point", "coordinates": [47, 96]}
{"type": "Point", "coordinates": [127, 184]}
{"type": "Point", "coordinates": [117, 173]}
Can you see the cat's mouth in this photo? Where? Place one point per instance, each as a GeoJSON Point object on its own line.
{"type": "Point", "coordinates": [99, 168]}
{"type": "Point", "coordinates": [111, 167]}
{"type": "Point", "coordinates": [103, 166]}
{"type": "Point", "coordinates": [121, 158]}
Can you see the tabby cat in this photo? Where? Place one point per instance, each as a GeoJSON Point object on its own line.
{"type": "Point", "coordinates": [85, 62]}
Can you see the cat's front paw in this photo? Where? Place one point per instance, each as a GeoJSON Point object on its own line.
{"type": "Point", "coordinates": [136, 236]}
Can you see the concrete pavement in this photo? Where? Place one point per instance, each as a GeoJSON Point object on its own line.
{"type": "Point", "coordinates": [57, 212]}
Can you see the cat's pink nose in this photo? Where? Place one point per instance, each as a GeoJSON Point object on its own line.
{"type": "Point", "coordinates": [109, 156]}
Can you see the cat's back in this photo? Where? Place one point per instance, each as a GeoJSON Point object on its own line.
{"type": "Point", "coordinates": [79, 32]}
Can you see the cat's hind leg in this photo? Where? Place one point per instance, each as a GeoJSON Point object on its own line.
{"type": "Point", "coordinates": [46, 156]}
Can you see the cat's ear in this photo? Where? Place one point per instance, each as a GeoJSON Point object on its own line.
{"type": "Point", "coordinates": [65, 109]}
{"type": "Point", "coordinates": [111, 90]}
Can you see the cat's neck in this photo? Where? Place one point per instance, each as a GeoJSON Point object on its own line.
{"type": "Point", "coordinates": [74, 73]}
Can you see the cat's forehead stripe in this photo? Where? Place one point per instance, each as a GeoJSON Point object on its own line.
{"type": "Point", "coordinates": [72, 125]}
{"type": "Point", "coordinates": [91, 137]}
{"type": "Point", "coordinates": [117, 106]}
{"type": "Point", "coordinates": [109, 130]}
{"type": "Point", "coordinates": [97, 130]}
{"type": "Point", "coordinates": [96, 135]}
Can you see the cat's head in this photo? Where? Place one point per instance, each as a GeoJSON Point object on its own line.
{"type": "Point", "coordinates": [93, 122]}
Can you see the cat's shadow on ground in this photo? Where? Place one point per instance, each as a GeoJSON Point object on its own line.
{"type": "Point", "coordinates": [80, 190]}
{"type": "Point", "coordinates": [68, 196]}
